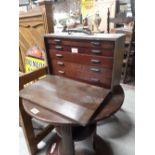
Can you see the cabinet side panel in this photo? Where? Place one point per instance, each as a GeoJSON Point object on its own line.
{"type": "Point", "coordinates": [118, 61]}
{"type": "Point", "coordinates": [47, 56]}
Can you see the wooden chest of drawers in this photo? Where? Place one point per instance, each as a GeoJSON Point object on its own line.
{"type": "Point", "coordinates": [94, 59]}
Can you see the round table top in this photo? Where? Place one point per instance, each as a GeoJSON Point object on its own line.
{"type": "Point", "coordinates": [112, 105]}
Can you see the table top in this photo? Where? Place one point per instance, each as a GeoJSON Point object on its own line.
{"type": "Point", "coordinates": [70, 99]}
{"type": "Point", "coordinates": [112, 105]}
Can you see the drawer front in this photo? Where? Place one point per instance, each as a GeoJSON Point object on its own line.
{"type": "Point", "coordinates": [90, 74]}
{"type": "Point", "coordinates": [82, 43]}
{"type": "Point", "coordinates": [81, 50]}
{"type": "Point", "coordinates": [98, 61]}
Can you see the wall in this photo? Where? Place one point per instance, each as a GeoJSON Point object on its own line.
{"type": "Point", "coordinates": [91, 7]}
{"type": "Point", "coordinates": [62, 9]}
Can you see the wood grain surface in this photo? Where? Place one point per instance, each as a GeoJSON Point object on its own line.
{"type": "Point", "coordinates": [83, 58]}
{"type": "Point", "coordinates": [72, 99]}
{"type": "Point", "coordinates": [83, 43]}
{"type": "Point", "coordinates": [110, 107]}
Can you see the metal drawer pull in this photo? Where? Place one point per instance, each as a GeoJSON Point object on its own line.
{"type": "Point", "coordinates": [96, 51]}
{"type": "Point", "coordinates": [59, 55]}
{"type": "Point", "coordinates": [95, 61]}
{"type": "Point", "coordinates": [61, 72]}
{"type": "Point", "coordinates": [95, 69]}
{"type": "Point", "coordinates": [60, 63]}
{"type": "Point", "coordinates": [57, 40]}
{"type": "Point", "coordinates": [95, 80]}
{"type": "Point", "coordinates": [58, 48]}
{"type": "Point", "coordinates": [95, 43]}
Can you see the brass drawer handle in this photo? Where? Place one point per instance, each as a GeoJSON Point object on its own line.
{"type": "Point", "coordinates": [95, 80]}
{"type": "Point", "coordinates": [57, 40]}
{"type": "Point", "coordinates": [58, 48]}
{"type": "Point", "coordinates": [61, 72]}
{"type": "Point", "coordinates": [96, 51]}
{"type": "Point", "coordinates": [95, 69]}
{"type": "Point", "coordinates": [95, 61]}
{"type": "Point", "coordinates": [95, 43]}
{"type": "Point", "coordinates": [60, 63]}
{"type": "Point", "coordinates": [59, 55]}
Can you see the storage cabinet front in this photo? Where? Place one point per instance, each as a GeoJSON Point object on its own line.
{"type": "Point", "coordinates": [89, 61]}
{"type": "Point", "coordinates": [83, 47]}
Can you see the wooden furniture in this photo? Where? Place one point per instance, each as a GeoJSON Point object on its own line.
{"type": "Point", "coordinates": [80, 98]}
{"type": "Point", "coordinates": [83, 88]}
{"type": "Point", "coordinates": [32, 136]}
{"type": "Point", "coordinates": [70, 131]}
{"type": "Point", "coordinates": [21, 65]}
{"type": "Point", "coordinates": [32, 26]}
{"type": "Point", "coordinates": [128, 68]}
{"type": "Point", "coordinates": [94, 59]}
{"type": "Point", "coordinates": [129, 52]}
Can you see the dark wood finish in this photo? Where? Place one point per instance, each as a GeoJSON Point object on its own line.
{"type": "Point", "coordinates": [130, 56]}
{"type": "Point", "coordinates": [46, 115]}
{"type": "Point", "coordinates": [78, 103]}
{"type": "Point", "coordinates": [118, 58]}
{"type": "Point", "coordinates": [108, 21]}
{"type": "Point", "coordinates": [85, 59]}
{"type": "Point", "coordinates": [95, 61]}
{"type": "Point", "coordinates": [26, 120]}
{"type": "Point", "coordinates": [128, 62]}
{"type": "Point", "coordinates": [81, 50]}
{"type": "Point", "coordinates": [114, 103]}
{"type": "Point", "coordinates": [43, 133]}
{"type": "Point", "coordinates": [31, 76]}
{"type": "Point", "coordinates": [117, 20]}
{"type": "Point", "coordinates": [90, 74]}
{"type": "Point", "coordinates": [66, 143]}
{"type": "Point", "coordinates": [78, 70]}
{"type": "Point", "coordinates": [28, 130]}
{"type": "Point", "coordinates": [83, 43]}
{"type": "Point", "coordinates": [70, 104]}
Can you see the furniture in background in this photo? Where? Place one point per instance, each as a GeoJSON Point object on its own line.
{"type": "Point", "coordinates": [33, 135]}
{"type": "Point", "coordinates": [128, 28]}
{"type": "Point", "coordinates": [81, 88]}
{"type": "Point", "coordinates": [32, 26]}
{"type": "Point", "coordinates": [21, 65]}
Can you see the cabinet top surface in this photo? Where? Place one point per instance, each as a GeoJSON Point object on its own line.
{"type": "Point", "coordinates": [104, 36]}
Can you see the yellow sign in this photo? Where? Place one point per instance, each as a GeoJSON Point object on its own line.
{"type": "Point", "coordinates": [32, 64]}
{"type": "Point", "coordinates": [87, 7]}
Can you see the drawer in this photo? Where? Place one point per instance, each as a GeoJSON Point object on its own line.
{"type": "Point", "coordinates": [76, 49]}
{"type": "Point", "coordinates": [99, 61]}
{"type": "Point", "coordinates": [82, 43]}
{"type": "Point", "coordinates": [78, 72]}
{"type": "Point", "coordinates": [83, 73]}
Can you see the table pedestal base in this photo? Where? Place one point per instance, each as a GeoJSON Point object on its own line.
{"type": "Point", "coordinates": [68, 135]}
{"type": "Point", "coordinates": [66, 146]}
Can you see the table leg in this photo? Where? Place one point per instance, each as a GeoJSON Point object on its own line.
{"type": "Point", "coordinates": [66, 146]}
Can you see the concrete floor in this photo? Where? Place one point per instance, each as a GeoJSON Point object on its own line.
{"type": "Point", "coordinates": [115, 136]}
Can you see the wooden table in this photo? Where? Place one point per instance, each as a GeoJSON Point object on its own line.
{"type": "Point", "coordinates": [70, 105]}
